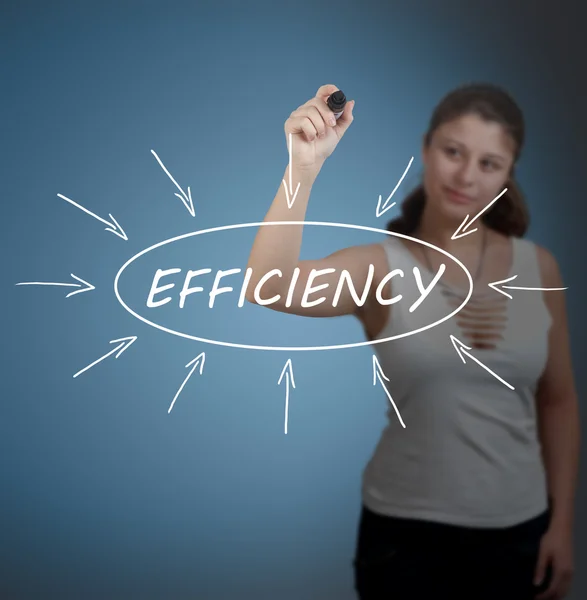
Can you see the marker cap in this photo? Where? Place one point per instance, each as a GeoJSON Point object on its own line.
{"type": "Point", "coordinates": [336, 102]}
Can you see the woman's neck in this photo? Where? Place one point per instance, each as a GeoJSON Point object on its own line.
{"type": "Point", "coordinates": [438, 231]}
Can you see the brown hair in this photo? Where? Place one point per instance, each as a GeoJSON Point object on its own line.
{"type": "Point", "coordinates": [509, 215]}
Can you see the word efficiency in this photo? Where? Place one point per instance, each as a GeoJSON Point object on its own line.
{"type": "Point", "coordinates": [344, 278]}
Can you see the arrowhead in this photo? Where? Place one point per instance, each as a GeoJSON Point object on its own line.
{"type": "Point", "coordinates": [117, 229]}
{"type": "Point", "coordinates": [289, 368]}
{"type": "Point", "coordinates": [202, 356]}
{"type": "Point", "coordinates": [377, 370]}
{"type": "Point", "coordinates": [496, 283]}
{"type": "Point", "coordinates": [456, 235]}
{"type": "Point", "coordinates": [187, 201]}
{"type": "Point", "coordinates": [89, 287]}
{"type": "Point", "coordinates": [382, 209]}
{"type": "Point", "coordinates": [131, 339]}
{"type": "Point", "coordinates": [191, 209]}
{"type": "Point", "coordinates": [290, 203]}
{"type": "Point", "coordinates": [458, 345]}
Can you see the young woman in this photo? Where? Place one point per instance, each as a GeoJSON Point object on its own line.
{"type": "Point", "coordinates": [470, 490]}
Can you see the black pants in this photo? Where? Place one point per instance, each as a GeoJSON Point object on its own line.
{"type": "Point", "coordinates": [412, 559]}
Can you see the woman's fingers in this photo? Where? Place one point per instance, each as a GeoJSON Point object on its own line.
{"type": "Point", "coordinates": [326, 90]}
{"type": "Point", "coordinates": [313, 119]}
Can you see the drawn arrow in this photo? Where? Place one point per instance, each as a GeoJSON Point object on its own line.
{"type": "Point", "coordinates": [513, 287]}
{"type": "Point", "coordinates": [112, 227]}
{"type": "Point", "coordinates": [458, 345]}
{"type": "Point", "coordinates": [185, 198]}
{"type": "Point", "coordinates": [194, 362]}
{"type": "Point", "coordinates": [383, 209]}
{"type": "Point", "coordinates": [126, 343]}
{"type": "Point", "coordinates": [288, 193]}
{"type": "Point", "coordinates": [288, 372]}
{"type": "Point", "coordinates": [377, 375]}
{"type": "Point", "coordinates": [89, 287]}
{"type": "Point", "coordinates": [456, 235]}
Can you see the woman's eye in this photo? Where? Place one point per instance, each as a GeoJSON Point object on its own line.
{"type": "Point", "coordinates": [451, 151]}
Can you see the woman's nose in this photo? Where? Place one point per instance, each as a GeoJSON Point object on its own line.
{"type": "Point", "coordinates": [466, 174]}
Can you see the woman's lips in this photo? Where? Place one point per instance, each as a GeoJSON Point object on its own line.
{"type": "Point", "coordinates": [456, 197]}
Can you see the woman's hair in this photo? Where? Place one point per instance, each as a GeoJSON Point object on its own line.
{"type": "Point", "coordinates": [509, 215]}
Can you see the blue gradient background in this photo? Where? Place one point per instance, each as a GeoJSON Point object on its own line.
{"type": "Point", "coordinates": [105, 494]}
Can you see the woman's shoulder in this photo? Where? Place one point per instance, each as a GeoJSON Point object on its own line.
{"type": "Point", "coordinates": [544, 257]}
{"type": "Point", "coordinates": [500, 239]}
{"type": "Point", "coordinates": [549, 267]}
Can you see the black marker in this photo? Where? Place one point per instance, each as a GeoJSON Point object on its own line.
{"type": "Point", "coordinates": [336, 103]}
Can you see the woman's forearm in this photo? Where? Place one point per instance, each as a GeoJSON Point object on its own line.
{"type": "Point", "coordinates": [559, 430]}
{"type": "Point", "coordinates": [278, 247]}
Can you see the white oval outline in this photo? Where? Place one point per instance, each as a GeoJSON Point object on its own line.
{"type": "Point", "coordinates": [288, 348]}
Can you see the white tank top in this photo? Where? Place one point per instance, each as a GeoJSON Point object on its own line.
{"type": "Point", "coordinates": [469, 453]}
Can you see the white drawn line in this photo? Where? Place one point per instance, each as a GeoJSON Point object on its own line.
{"type": "Point", "coordinates": [111, 227]}
{"type": "Point", "coordinates": [460, 350]}
{"type": "Point", "coordinates": [88, 287]}
{"type": "Point", "coordinates": [186, 199]}
{"type": "Point", "coordinates": [382, 209]}
{"type": "Point", "coordinates": [290, 149]}
{"type": "Point", "coordinates": [378, 374]}
{"type": "Point", "coordinates": [290, 202]}
{"type": "Point", "coordinates": [126, 343]}
{"type": "Point", "coordinates": [288, 372]}
{"type": "Point", "coordinates": [514, 287]}
{"type": "Point", "coordinates": [462, 226]}
{"type": "Point", "coordinates": [194, 362]}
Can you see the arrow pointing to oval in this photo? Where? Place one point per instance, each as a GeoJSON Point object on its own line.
{"type": "Point", "coordinates": [288, 372]}
{"type": "Point", "coordinates": [126, 343]}
{"type": "Point", "coordinates": [199, 360]}
{"type": "Point", "coordinates": [513, 287]}
{"type": "Point", "coordinates": [456, 235]}
{"type": "Point", "coordinates": [89, 287]}
{"type": "Point", "coordinates": [377, 375]}
{"type": "Point", "coordinates": [458, 345]}
{"type": "Point", "coordinates": [289, 193]}
{"type": "Point", "coordinates": [114, 227]}
{"type": "Point", "coordinates": [383, 209]}
{"type": "Point", "coordinates": [185, 198]}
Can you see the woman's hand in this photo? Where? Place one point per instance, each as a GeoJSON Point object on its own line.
{"type": "Point", "coordinates": [556, 553]}
{"type": "Point", "coordinates": [315, 132]}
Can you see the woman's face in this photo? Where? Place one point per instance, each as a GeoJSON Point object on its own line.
{"type": "Point", "coordinates": [466, 165]}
